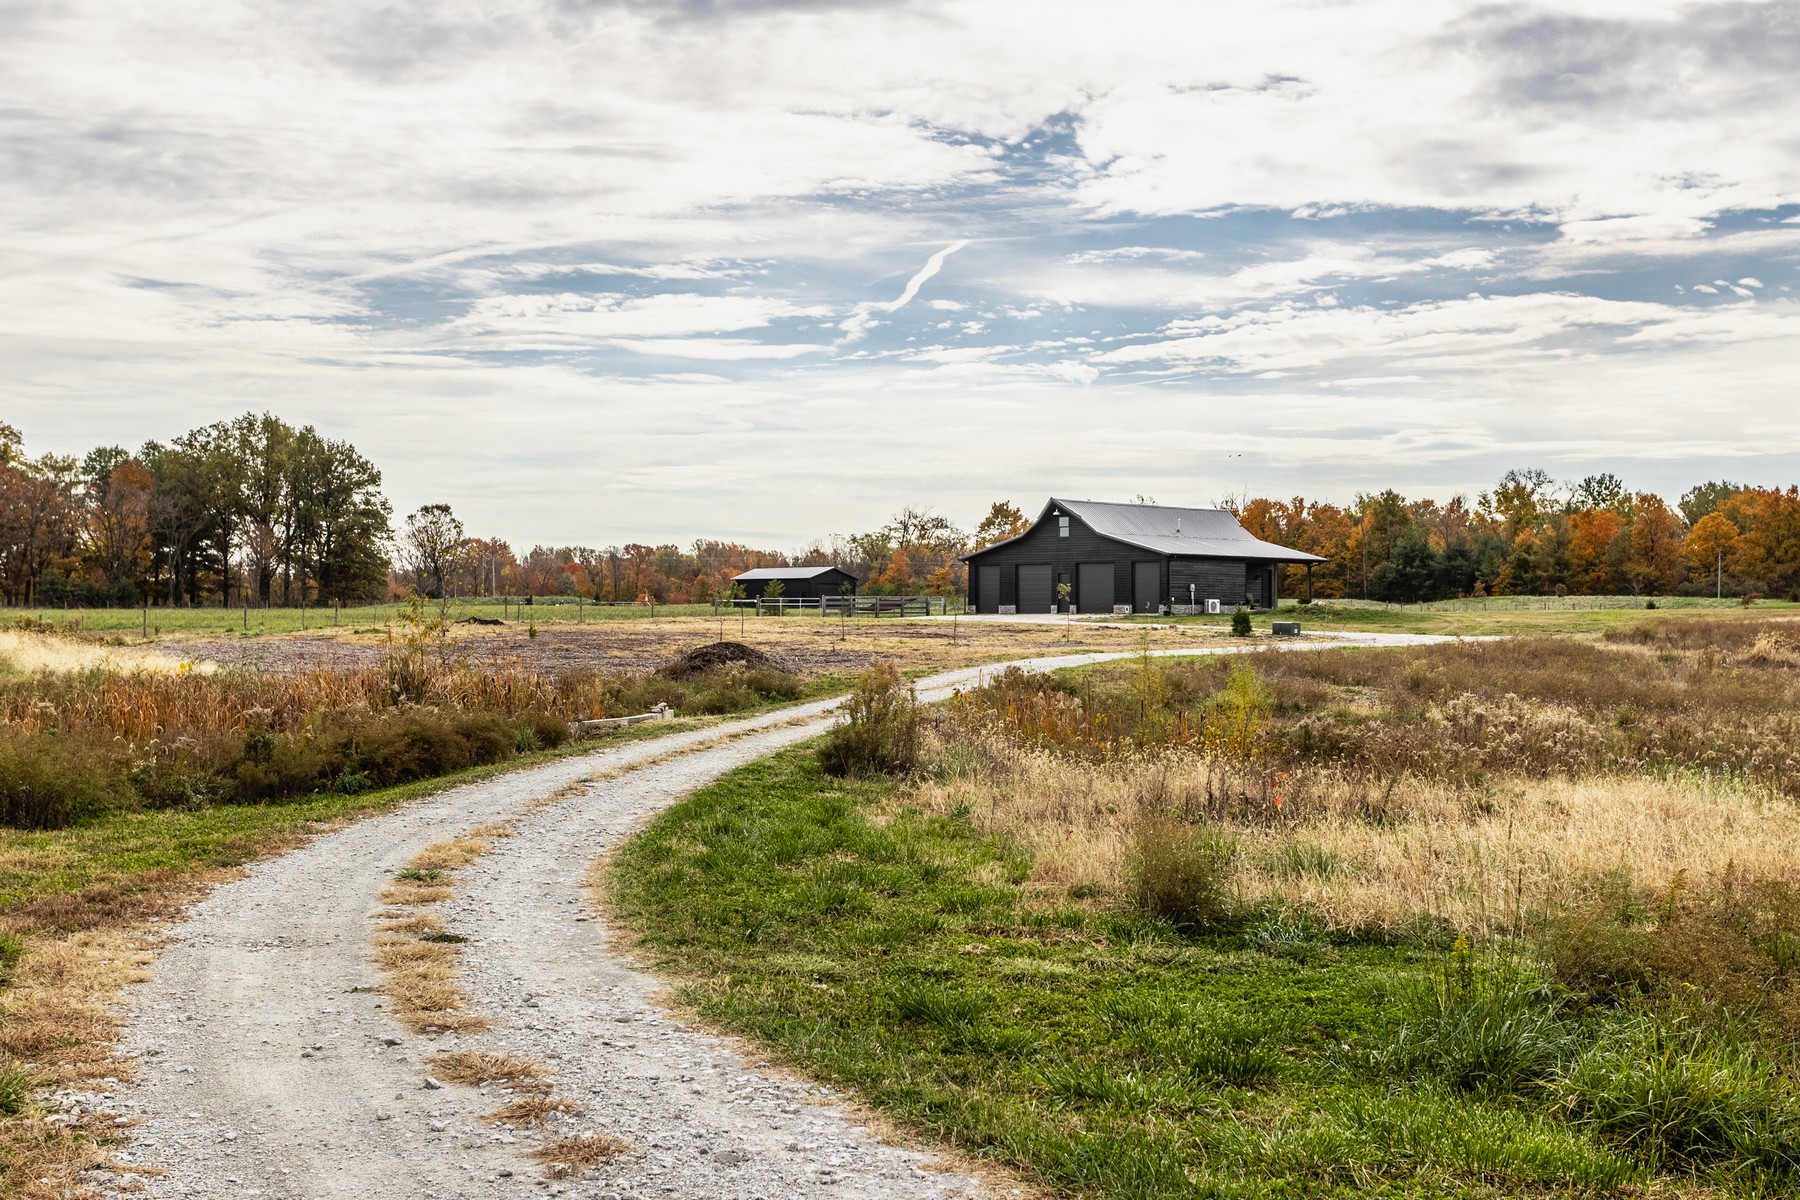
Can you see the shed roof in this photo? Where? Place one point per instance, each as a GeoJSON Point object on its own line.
{"type": "Point", "coordinates": [790, 573]}
{"type": "Point", "coordinates": [1187, 532]}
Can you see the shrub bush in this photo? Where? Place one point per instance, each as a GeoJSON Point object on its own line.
{"type": "Point", "coordinates": [1240, 622]}
{"type": "Point", "coordinates": [1734, 941]}
{"type": "Point", "coordinates": [1183, 874]}
{"type": "Point", "coordinates": [880, 730]}
{"type": "Point", "coordinates": [51, 780]}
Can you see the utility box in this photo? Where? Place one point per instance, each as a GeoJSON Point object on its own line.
{"type": "Point", "coordinates": [1285, 628]}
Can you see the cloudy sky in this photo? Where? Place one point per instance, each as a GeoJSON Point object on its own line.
{"type": "Point", "coordinates": [602, 270]}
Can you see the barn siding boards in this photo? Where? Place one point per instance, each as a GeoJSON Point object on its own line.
{"type": "Point", "coordinates": [1220, 579]}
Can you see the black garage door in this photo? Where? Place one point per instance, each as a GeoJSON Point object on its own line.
{"type": "Point", "coordinates": [987, 589]}
{"type": "Point", "coordinates": [1146, 587]}
{"type": "Point", "coordinates": [1095, 591]}
{"type": "Point", "coordinates": [1035, 595]}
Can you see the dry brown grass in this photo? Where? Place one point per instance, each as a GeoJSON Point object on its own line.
{"type": "Point", "coordinates": [573, 1155]}
{"type": "Point", "coordinates": [492, 831]}
{"type": "Point", "coordinates": [61, 1014]}
{"type": "Point", "coordinates": [452, 854]}
{"type": "Point", "coordinates": [408, 893]}
{"type": "Point", "coordinates": [28, 653]}
{"type": "Point", "coordinates": [1360, 855]}
{"type": "Point", "coordinates": [531, 1109]}
{"type": "Point", "coordinates": [59, 1017]}
{"type": "Point", "coordinates": [472, 1068]}
{"type": "Point", "coordinates": [1474, 784]}
{"type": "Point", "coordinates": [416, 956]}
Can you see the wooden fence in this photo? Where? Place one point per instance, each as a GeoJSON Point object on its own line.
{"type": "Point", "coordinates": [854, 606]}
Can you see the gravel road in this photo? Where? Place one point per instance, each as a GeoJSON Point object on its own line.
{"type": "Point", "coordinates": [267, 1065]}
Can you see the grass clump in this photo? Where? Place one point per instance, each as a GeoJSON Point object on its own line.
{"type": "Point", "coordinates": [1183, 874]}
{"type": "Point", "coordinates": [473, 1068]}
{"type": "Point", "coordinates": [1693, 1095]}
{"type": "Point", "coordinates": [1491, 1031]}
{"type": "Point", "coordinates": [572, 1155]}
{"type": "Point", "coordinates": [879, 730]}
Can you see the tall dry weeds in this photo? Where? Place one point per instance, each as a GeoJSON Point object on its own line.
{"type": "Point", "coordinates": [1475, 785]}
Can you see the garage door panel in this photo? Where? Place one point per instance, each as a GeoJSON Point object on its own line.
{"type": "Point", "coordinates": [987, 589]}
{"type": "Point", "coordinates": [1035, 593]}
{"type": "Point", "coordinates": [1146, 587]}
{"type": "Point", "coordinates": [1094, 591]}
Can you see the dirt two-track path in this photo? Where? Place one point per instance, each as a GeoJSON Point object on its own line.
{"type": "Point", "coordinates": [267, 1065]}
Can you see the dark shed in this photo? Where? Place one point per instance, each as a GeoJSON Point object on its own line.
{"type": "Point", "coordinates": [798, 583]}
{"type": "Point", "coordinates": [1120, 558]}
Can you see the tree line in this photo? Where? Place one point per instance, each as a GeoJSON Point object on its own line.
{"type": "Point", "coordinates": [245, 511]}
{"type": "Point", "coordinates": [914, 552]}
{"type": "Point", "coordinates": [257, 511]}
{"type": "Point", "coordinates": [1533, 535]}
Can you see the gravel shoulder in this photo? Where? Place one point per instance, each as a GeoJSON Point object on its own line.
{"type": "Point", "coordinates": [267, 1064]}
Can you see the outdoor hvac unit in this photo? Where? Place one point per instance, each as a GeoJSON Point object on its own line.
{"type": "Point", "coordinates": [1212, 606]}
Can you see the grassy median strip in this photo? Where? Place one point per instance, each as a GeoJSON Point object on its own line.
{"type": "Point", "coordinates": [1102, 1051]}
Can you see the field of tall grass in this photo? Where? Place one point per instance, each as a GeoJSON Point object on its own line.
{"type": "Point", "coordinates": [1483, 919]}
{"type": "Point", "coordinates": [86, 729]}
{"type": "Point", "coordinates": [1468, 783]}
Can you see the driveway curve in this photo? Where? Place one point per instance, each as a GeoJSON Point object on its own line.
{"type": "Point", "coordinates": [267, 1063]}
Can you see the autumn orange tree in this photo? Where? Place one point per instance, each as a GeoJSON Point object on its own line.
{"type": "Point", "coordinates": [1708, 544]}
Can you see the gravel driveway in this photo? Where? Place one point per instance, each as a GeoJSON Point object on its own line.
{"type": "Point", "coordinates": [267, 1064]}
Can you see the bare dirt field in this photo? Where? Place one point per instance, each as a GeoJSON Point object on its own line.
{"type": "Point", "coordinates": [806, 645]}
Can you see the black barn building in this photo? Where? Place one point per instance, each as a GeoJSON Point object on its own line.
{"type": "Point", "coordinates": [798, 583]}
{"type": "Point", "coordinates": [1118, 558]}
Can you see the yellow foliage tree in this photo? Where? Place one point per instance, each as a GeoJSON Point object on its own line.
{"type": "Point", "coordinates": [1707, 545]}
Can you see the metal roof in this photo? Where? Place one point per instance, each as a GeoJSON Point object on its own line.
{"type": "Point", "coordinates": [1187, 532]}
{"type": "Point", "coordinates": [789, 572]}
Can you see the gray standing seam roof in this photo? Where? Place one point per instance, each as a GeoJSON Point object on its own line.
{"type": "Point", "coordinates": [786, 572]}
{"type": "Point", "coordinates": [1187, 532]}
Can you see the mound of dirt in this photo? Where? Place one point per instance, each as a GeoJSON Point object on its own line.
{"type": "Point", "coordinates": [716, 655]}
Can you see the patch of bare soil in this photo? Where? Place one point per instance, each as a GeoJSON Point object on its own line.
{"type": "Point", "coordinates": [803, 645]}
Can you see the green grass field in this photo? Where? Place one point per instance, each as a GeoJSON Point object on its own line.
{"type": "Point", "coordinates": [1488, 615]}
{"type": "Point", "coordinates": [1101, 1053]}
{"type": "Point", "coordinates": [1500, 614]}
{"type": "Point", "coordinates": [133, 622]}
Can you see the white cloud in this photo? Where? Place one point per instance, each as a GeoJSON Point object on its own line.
{"type": "Point", "coordinates": [571, 318]}
{"type": "Point", "coordinates": [860, 321]}
{"type": "Point", "coordinates": [1463, 336]}
{"type": "Point", "coordinates": [717, 349]}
